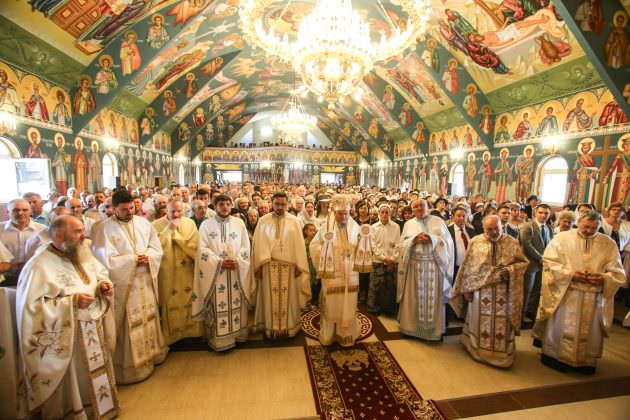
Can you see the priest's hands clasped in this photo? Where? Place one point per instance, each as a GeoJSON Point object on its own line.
{"type": "Point", "coordinates": [142, 260]}
{"type": "Point", "coordinates": [589, 278]}
{"type": "Point", "coordinates": [422, 238]}
{"type": "Point", "coordinates": [228, 264]}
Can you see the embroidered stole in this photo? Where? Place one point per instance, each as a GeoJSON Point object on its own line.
{"type": "Point", "coordinates": [279, 279]}
{"type": "Point", "coordinates": [141, 315]}
{"type": "Point", "coordinates": [363, 257]}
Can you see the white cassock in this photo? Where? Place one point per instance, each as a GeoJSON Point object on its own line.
{"type": "Point", "coordinates": [64, 357]}
{"type": "Point", "coordinates": [425, 274]}
{"type": "Point", "coordinates": [221, 298]}
{"type": "Point", "coordinates": [574, 317]}
{"type": "Point", "coordinates": [139, 341]}
{"type": "Point", "coordinates": [335, 245]}
{"type": "Point", "coordinates": [278, 249]}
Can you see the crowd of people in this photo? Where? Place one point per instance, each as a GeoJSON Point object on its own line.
{"type": "Point", "coordinates": [106, 282]}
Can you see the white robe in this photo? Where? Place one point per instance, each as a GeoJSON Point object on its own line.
{"type": "Point", "coordinates": [339, 294]}
{"type": "Point", "coordinates": [574, 317]}
{"type": "Point", "coordinates": [139, 345]}
{"type": "Point", "coordinates": [222, 298]}
{"type": "Point", "coordinates": [278, 249]}
{"type": "Point", "coordinates": [66, 363]}
{"type": "Point", "coordinates": [425, 274]}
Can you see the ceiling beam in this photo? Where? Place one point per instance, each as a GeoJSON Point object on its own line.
{"type": "Point", "coordinates": [145, 57]}
{"type": "Point", "coordinates": [206, 78]}
{"type": "Point", "coordinates": [439, 58]}
{"type": "Point", "coordinates": [617, 80]}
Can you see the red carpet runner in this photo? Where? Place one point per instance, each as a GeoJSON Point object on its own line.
{"type": "Point", "coordinates": [363, 382]}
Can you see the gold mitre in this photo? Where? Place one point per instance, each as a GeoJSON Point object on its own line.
{"type": "Point", "coordinates": [340, 202]}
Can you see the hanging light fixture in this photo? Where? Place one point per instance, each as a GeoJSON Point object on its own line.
{"type": "Point", "coordinates": [293, 120]}
{"type": "Point", "coordinates": [333, 49]}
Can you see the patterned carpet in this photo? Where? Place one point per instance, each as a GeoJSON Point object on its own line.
{"type": "Point", "coordinates": [363, 382]}
{"type": "Point", "coordinates": [311, 324]}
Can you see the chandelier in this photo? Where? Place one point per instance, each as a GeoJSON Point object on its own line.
{"type": "Point", "coordinates": [333, 49]}
{"type": "Point", "coordinates": [293, 120]}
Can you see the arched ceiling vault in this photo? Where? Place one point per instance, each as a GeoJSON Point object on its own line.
{"type": "Point", "coordinates": [161, 61]}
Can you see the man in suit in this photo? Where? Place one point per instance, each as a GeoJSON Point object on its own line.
{"type": "Point", "coordinates": [461, 234]}
{"type": "Point", "coordinates": [534, 237]}
{"type": "Point", "coordinates": [504, 215]}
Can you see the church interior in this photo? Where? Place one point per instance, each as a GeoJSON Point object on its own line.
{"type": "Point", "coordinates": [500, 100]}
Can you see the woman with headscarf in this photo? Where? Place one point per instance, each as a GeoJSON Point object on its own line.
{"type": "Point", "coordinates": [307, 215]}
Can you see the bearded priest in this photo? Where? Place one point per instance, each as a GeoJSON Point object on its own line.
{"type": "Point", "coordinates": [581, 274]}
{"type": "Point", "coordinates": [491, 280]}
{"type": "Point", "coordinates": [338, 254]}
{"type": "Point", "coordinates": [63, 296]}
{"type": "Point", "coordinates": [179, 239]}
{"type": "Point", "coordinates": [282, 283]}
{"type": "Point", "coordinates": [129, 248]}
{"type": "Point", "coordinates": [425, 273]}
{"type": "Point", "coordinates": [221, 289]}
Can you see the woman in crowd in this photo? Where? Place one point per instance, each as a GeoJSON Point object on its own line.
{"type": "Point", "coordinates": [309, 230]}
{"type": "Point", "coordinates": [251, 222]}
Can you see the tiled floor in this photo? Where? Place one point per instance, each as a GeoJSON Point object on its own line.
{"type": "Point", "coordinates": [261, 381]}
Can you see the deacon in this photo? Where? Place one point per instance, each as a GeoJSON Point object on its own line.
{"type": "Point", "coordinates": [385, 237]}
{"type": "Point", "coordinates": [282, 277]}
{"type": "Point", "coordinates": [222, 292]}
{"type": "Point", "coordinates": [334, 249]}
{"type": "Point", "coordinates": [425, 274]}
{"type": "Point", "coordinates": [491, 280]}
{"type": "Point", "coordinates": [129, 248]}
{"type": "Point", "coordinates": [62, 299]}
{"type": "Point", "coordinates": [179, 240]}
{"type": "Point", "coordinates": [582, 272]}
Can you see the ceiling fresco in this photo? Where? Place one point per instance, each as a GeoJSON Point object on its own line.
{"type": "Point", "coordinates": [149, 70]}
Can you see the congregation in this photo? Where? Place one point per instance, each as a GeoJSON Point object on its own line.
{"type": "Point", "coordinates": [106, 282]}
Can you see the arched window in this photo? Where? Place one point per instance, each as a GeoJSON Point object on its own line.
{"type": "Point", "coordinates": [182, 174]}
{"type": "Point", "coordinates": [8, 186]}
{"type": "Point", "coordinates": [198, 174]}
{"type": "Point", "coordinates": [553, 174]}
{"type": "Point", "coordinates": [110, 170]}
{"type": "Point", "coordinates": [458, 185]}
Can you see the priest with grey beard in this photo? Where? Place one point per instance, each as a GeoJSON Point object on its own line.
{"type": "Point", "coordinates": [491, 279]}
{"type": "Point", "coordinates": [62, 300]}
{"type": "Point", "coordinates": [581, 273]}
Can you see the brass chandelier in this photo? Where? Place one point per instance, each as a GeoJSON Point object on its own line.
{"type": "Point", "coordinates": [293, 120]}
{"type": "Point", "coordinates": [333, 49]}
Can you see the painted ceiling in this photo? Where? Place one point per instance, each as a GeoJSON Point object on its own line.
{"type": "Point", "coordinates": [180, 69]}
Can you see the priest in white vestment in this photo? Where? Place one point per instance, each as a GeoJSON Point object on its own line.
{"type": "Point", "coordinates": [130, 249]}
{"type": "Point", "coordinates": [280, 266]}
{"type": "Point", "coordinates": [333, 249]}
{"type": "Point", "coordinates": [425, 274]}
{"type": "Point", "coordinates": [581, 274]}
{"type": "Point", "coordinates": [63, 296]}
{"type": "Point", "coordinates": [221, 289]}
{"type": "Point", "coordinates": [491, 279]}
{"type": "Point", "coordinates": [179, 240]}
